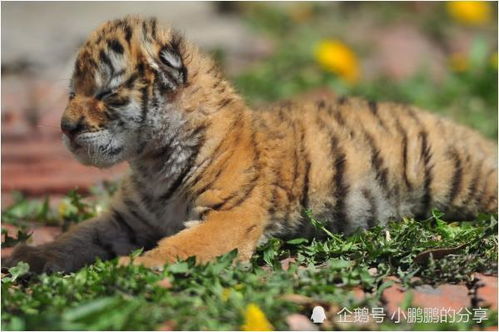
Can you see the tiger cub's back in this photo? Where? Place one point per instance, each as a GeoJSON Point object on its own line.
{"type": "Point", "coordinates": [368, 162]}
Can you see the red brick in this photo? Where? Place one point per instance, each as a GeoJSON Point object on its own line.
{"type": "Point", "coordinates": [286, 262]}
{"type": "Point", "coordinates": [426, 296]}
{"type": "Point", "coordinates": [11, 230]}
{"type": "Point", "coordinates": [34, 160]}
{"type": "Point", "coordinates": [486, 292]}
{"type": "Point", "coordinates": [6, 252]}
{"type": "Point", "coordinates": [40, 235]}
{"type": "Point", "coordinates": [44, 234]}
{"type": "Point", "coordinates": [298, 322]}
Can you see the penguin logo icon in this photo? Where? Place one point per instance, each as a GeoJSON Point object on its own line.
{"type": "Point", "coordinates": [318, 315]}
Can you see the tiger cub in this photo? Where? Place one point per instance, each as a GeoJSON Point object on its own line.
{"type": "Point", "coordinates": [208, 174]}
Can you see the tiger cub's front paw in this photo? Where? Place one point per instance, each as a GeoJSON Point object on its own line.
{"type": "Point", "coordinates": [145, 261]}
{"type": "Point", "coordinates": [40, 260]}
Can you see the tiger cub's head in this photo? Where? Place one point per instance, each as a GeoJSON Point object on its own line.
{"type": "Point", "coordinates": [129, 80]}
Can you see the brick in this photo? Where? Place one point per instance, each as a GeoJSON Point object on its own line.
{"type": "Point", "coordinates": [44, 234]}
{"type": "Point", "coordinates": [34, 159]}
{"type": "Point", "coordinates": [298, 322]}
{"type": "Point", "coordinates": [359, 294]}
{"type": "Point", "coordinates": [6, 252]}
{"type": "Point", "coordinates": [286, 262]}
{"type": "Point", "coordinates": [425, 296]}
{"type": "Point", "coordinates": [40, 235]}
{"type": "Point", "coordinates": [486, 291]}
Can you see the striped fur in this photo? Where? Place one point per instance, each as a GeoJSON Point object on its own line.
{"type": "Point", "coordinates": [208, 174]}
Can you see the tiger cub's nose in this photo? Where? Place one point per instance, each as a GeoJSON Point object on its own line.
{"type": "Point", "coordinates": [71, 127]}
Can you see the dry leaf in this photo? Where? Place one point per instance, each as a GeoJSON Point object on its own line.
{"type": "Point", "coordinates": [298, 299]}
{"type": "Point", "coordinates": [437, 253]}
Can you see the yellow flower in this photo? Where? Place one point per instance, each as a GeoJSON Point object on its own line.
{"type": "Point", "coordinates": [470, 12]}
{"type": "Point", "coordinates": [64, 208]}
{"type": "Point", "coordinates": [255, 320]}
{"type": "Point", "coordinates": [338, 58]}
{"type": "Point", "coordinates": [458, 62]}
{"type": "Point", "coordinates": [226, 294]}
{"type": "Point", "coordinates": [493, 60]}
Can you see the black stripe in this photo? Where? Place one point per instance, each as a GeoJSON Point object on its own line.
{"type": "Point", "coordinates": [119, 73]}
{"type": "Point", "coordinates": [130, 232]}
{"type": "Point", "coordinates": [304, 201]}
{"type": "Point", "coordinates": [377, 162]}
{"type": "Point", "coordinates": [472, 197]}
{"type": "Point", "coordinates": [456, 177]}
{"type": "Point", "coordinates": [115, 151]}
{"type": "Point", "coordinates": [295, 162]}
{"type": "Point", "coordinates": [128, 33]}
{"type": "Point", "coordinates": [404, 142]}
{"type": "Point", "coordinates": [115, 45]}
{"type": "Point", "coordinates": [131, 80]}
{"type": "Point", "coordinates": [162, 80]}
{"type": "Point", "coordinates": [373, 211]}
{"type": "Point", "coordinates": [133, 208]}
{"type": "Point", "coordinates": [201, 190]}
{"type": "Point", "coordinates": [373, 107]}
{"type": "Point", "coordinates": [117, 101]}
{"type": "Point", "coordinates": [248, 189]}
{"type": "Point", "coordinates": [105, 59]}
{"type": "Point", "coordinates": [428, 177]}
{"type": "Point", "coordinates": [185, 171]}
{"type": "Point", "coordinates": [153, 28]}
{"type": "Point", "coordinates": [304, 196]}
{"type": "Point", "coordinates": [140, 68]}
{"type": "Point", "coordinates": [224, 102]}
{"type": "Point", "coordinates": [144, 106]}
{"type": "Point", "coordinates": [111, 114]}
{"type": "Point", "coordinates": [163, 151]}
{"type": "Point", "coordinates": [339, 118]}
{"type": "Point", "coordinates": [342, 100]}
{"type": "Point", "coordinates": [144, 30]}
{"type": "Point", "coordinates": [146, 199]}
{"type": "Point", "coordinates": [414, 116]}
{"type": "Point", "coordinates": [483, 190]}
{"type": "Point", "coordinates": [338, 183]}
{"type": "Point", "coordinates": [175, 185]}
{"type": "Point", "coordinates": [236, 126]}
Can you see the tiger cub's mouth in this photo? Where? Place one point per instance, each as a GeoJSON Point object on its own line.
{"type": "Point", "coordinates": [98, 149]}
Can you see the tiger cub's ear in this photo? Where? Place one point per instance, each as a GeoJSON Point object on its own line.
{"type": "Point", "coordinates": [170, 62]}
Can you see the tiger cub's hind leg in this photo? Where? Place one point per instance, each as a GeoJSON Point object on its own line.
{"type": "Point", "coordinates": [220, 233]}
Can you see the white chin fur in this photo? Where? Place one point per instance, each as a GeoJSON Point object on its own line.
{"type": "Point", "coordinates": [96, 149]}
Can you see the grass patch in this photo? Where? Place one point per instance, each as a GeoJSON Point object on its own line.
{"type": "Point", "coordinates": [186, 296]}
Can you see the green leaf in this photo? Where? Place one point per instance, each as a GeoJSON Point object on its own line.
{"type": "Point", "coordinates": [179, 267]}
{"type": "Point", "coordinates": [19, 270]}
{"type": "Point", "coordinates": [299, 240]}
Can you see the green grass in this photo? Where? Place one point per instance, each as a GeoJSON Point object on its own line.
{"type": "Point", "coordinates": [214, 296]}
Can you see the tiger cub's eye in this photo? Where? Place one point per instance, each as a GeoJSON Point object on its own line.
{"type": "Point", "coordinates": [116, 100]}
{"type": "Point", "coordinates": [71, 95]}
{"type": "Point", "coordinates": [104, 94]}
